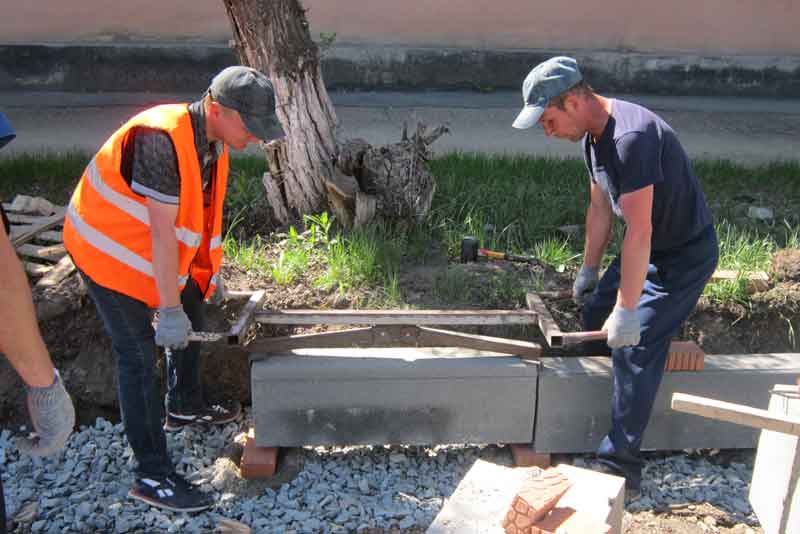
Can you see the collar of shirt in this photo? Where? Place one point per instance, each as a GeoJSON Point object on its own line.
{"type": "Point", "coordinates": [207, 153]}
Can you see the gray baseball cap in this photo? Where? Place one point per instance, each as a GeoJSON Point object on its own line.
{"type": "Point", "coordinates": [249, 92]}
{"type": "Point", "coordinates": [547, 80]}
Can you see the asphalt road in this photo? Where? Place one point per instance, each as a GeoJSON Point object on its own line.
{"type": "Point", "coordinates": [748, 131]}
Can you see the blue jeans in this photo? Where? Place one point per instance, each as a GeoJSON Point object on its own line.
{"type": "Point", "coordinates": [129, 324]}
{"type": "Point", "coordinates": [675, 281]}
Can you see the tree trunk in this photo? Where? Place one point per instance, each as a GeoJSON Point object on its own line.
{"type": "Point", "coordinates": [272, 36]}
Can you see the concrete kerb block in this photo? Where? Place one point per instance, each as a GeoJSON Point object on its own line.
{"type": "Point", "coordinates": [775, 487]}
{"type": "Point", "coordinates": [375, 396]}
{"type": "Point", "coordinates": [574, 402]}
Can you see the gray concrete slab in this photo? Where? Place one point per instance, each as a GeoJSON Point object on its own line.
{"type": "Point", "coordinates": [746, 130]}
{"type": "Point", "coordinates": [481, 500]}
{"type": "Point", "coordinates": [378, 396]}
{"type": "Point", "coordinates": [574, 406]}
{"type": "Point", "coordinates": [775, 488]}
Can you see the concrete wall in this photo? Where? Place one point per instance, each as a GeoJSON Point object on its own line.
{"type": "Point", "coordinates": [707, 27]}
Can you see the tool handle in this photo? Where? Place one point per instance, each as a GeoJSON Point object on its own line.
{"type": "Point", "coordinates": [491, 254]}
{"type": "Point", "coordinates": [572, 338]}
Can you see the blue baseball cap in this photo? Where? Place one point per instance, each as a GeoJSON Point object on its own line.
{"type": "Point", "coordinates": [547, 80]}
{"type": "Point", "coordinates": [249, 92]}
{"type": "Point", "coordinates": [7, 132]}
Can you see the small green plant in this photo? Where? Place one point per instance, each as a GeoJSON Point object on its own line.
{"type": "Point", "coordinates": [249, 255]}
{"type": "Point", "coordinates": [557, 252]}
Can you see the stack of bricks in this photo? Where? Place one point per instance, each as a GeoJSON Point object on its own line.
{"type": "Point", "coordinates": [534, 511]}
{"type": "Point", "coordinates": [685, 356]}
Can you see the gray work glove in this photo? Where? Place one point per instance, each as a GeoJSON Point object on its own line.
{"type": "Point", "coordinates": [623, 328]}
{"type": "Point", "coordinates": [584, 284]}
{"type": "Point", "coordinates": [172, 330]}
{"type": "Point", "coordinates": [219, 295]}
{"type": "Point", "coordinates": [53, 418]}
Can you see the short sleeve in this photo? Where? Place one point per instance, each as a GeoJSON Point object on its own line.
{"type": "Point", "coordinates": [154, 170]}
{"type": "Point", "coordinates": [639, 159]}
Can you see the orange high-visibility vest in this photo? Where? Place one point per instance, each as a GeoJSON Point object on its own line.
{"type": "Point", "coordinates": [107, 226]}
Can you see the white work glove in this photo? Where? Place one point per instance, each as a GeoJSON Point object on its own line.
{"type": "Point", "coordinates": [172, 330]}
{"type": "Point", "coordinates": [584, 284]}
{"type": "Point", "coordinates": [623, 328]}
{"type": "Point", "coordinates": [52, 417]}
{"type": "Point", "coordinates": [219, 296]}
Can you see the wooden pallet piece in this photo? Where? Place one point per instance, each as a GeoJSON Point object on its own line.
{"type": "Point", "coordinates": [56, 274]}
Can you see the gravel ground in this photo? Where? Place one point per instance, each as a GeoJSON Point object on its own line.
{"type": "Point", "coordinates": [341, 489]}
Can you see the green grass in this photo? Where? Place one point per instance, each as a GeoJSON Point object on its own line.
{"type": "Point", "coordinates": [511, 203]}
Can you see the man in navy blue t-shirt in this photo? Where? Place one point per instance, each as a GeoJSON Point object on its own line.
{"type": "Point", "coordinates": [640, 173]}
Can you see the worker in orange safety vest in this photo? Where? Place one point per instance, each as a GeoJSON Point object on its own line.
{"type": "Point", "coordinates": [144, 228]}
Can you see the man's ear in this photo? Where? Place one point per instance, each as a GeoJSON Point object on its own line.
{"type": "Point", "coordinates": [572, 104]}
{"type": "Point", "coordinates": [214, 108]}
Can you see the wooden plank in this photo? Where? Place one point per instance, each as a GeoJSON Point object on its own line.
{"type": "Point", "coordinates": [50, 252]}
{"type": "Point", "coordinates": [52, 236]}
{"type": "Point", "coordinates": [21, 218]}
{"type": "Point", "coordinates": [36, 269]}
{"type": "Point", "coordinates": [431, 337]}
{"type": "Point", "coordinates": [62, 269]}
{"type": "Point", "coordinates": [48, 223]}
{"type": "Point", "coordinates": [397, 317]}
{"type": "Point", "coordinates": [238, 332]}
{"type": "Point", "coordinates": [736, 413]}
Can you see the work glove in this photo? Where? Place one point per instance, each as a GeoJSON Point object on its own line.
{"type": "Point", "coordinates": [623, 328]}
{"type": "Point", "coordinates": [219, 295]}
{"type": "Point", "coordinates": [584, 284]}
{"type": "Point", "coordinates": [53, 418]}
{"type": "Point", "coordinates": [172, 330]}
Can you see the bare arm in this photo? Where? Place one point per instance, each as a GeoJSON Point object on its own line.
{"type": "Point", "coordinates": [637, 210]}
{"type": "Point", "coordinates": [165, 251]}
{"type": "Point", "coordinates": [20, 339]}
{"type": "Point", "coordinates": [599, 219]}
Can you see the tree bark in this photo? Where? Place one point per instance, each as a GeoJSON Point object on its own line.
{"type": "Point", "coordinates": [272, 36]}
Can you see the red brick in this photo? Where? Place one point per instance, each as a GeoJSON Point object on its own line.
{"type": "Point", "coordinates": [536, 497]}
{"type": "Point", "coordinates": [525, 456]}
{"type": "Point", "coordinates": [569, 521]}
{"type": "Point", "coordinates": [685, 356]}
{"type": "Point", "coordinates": [258, 462]}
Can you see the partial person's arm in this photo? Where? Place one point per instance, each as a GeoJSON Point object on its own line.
{"type": "Point", "coordinates": [637, 208]}
{"type": "Point", "coordinates": [599, 220]}
{"type": "Point", "coordinates": [172, 330]}
{"type": "Point", "coordinates": [165, 251]}
{"type": "Point", "coordinates": [20, 339]}
{"type": "Point", "coordinates": [49, 406]}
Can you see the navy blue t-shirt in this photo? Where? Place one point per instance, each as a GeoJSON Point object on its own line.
{"type": "Point", "coordinates": [636, 149]}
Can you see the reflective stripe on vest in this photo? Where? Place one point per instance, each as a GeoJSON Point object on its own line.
{"type": "Point", "coordinates": [135, 209]}
{"type": "Point", "coordinates": [107, 245]}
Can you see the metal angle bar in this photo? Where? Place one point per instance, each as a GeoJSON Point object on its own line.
{"type": "Point", "coordinates": [397, 317]}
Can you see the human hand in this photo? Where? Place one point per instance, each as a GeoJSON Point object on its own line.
{"type": "Point", "coordinates": [172, 330]}
{"type": "Point", "coordinates": [53, 418]}
{"type": "Point", "coordinates": [623, 328]}
{"type": "Point", "coordinates": [584, 284]}
{"type": "Point", "coordinates": [220, 295]}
